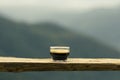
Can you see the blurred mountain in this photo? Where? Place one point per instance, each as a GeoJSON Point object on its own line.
{"type": "Point", "coordinates": [25, 40]}
{"type": "Point", "coordinates": [33, 40]}
{"type": "Point", "coordinates": [103, 24]}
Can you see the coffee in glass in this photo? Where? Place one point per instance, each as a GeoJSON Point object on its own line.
{"type": "Point", "coordinates": [59, 52]}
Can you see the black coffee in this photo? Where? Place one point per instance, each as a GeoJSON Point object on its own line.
{"type": "Point", "coordinates": [59, 52]}
{"type": "Point", "coordinates": [59, 56]}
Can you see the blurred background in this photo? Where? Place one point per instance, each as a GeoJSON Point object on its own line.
{"type": "Point", "coordinates": [91, 28]}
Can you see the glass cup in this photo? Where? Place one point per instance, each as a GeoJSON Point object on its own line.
{"type": "Point", "coordinates": [59, 52]}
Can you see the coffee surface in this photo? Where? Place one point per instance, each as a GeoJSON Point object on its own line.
{"type": "Point", "coordinates": [60, 51]}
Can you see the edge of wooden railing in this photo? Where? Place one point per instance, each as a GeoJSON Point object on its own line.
{"type": "Point", "coordinates": [13, 64]}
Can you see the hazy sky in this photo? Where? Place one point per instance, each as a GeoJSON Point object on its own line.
{"type": "Point", "coordinates": [34, 10]}
{"type": "Point", "coordinates": [59, 4]}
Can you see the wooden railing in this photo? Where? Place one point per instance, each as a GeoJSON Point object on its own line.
{"type": "Point", "coordinates": [12, 64]}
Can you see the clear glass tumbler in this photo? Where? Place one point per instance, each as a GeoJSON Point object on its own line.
{"type": "Point", "coordinates": [59, 52]}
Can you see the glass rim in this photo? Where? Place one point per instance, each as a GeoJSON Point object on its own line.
{"type": "Point", "coordinates": [59, 47]}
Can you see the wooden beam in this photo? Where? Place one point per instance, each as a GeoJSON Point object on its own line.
{"type": "Point", "coordinates": [12, 64]}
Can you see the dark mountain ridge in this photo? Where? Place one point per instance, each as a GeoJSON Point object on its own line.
{"type": "Point", "coordinates": [24, 40]}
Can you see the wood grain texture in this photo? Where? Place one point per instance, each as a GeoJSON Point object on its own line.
{"type": "Point", "coordinates": [12, 64]}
